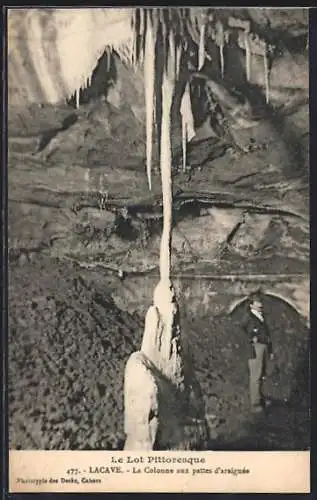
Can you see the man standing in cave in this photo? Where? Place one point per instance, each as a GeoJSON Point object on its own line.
{"type": "Point", "coordinates": [260, 342]}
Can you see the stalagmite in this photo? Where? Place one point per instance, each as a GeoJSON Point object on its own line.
{"type": "Point", "coordinates": [149, 76]}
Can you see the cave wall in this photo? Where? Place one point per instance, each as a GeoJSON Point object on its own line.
{"type": "Point", "coordinates": [217, 295]}
{"type": "Point", "coordinates": [102, 155]}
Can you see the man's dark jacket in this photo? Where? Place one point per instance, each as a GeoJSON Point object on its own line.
{"type": "Point", "coordinates": [254, 327]}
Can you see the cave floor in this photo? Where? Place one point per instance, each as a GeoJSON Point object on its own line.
{"type": "Point", "coordinates": [68, 345]}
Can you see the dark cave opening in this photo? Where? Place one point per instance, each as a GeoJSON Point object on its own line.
{"type": "Point", "coordinates": [285, 423]}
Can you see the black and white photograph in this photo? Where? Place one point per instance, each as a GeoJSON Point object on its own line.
{"type": "Point", "coordinates": [158, 229]}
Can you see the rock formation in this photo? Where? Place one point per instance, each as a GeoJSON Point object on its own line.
{"type": "Point", "coordinates": [164, 409]}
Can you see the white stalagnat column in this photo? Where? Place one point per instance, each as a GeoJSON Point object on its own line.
{"type": "Point", "coordinates": [149, 76]}
{"type": "Point", "coordinates": [162, 409]}
{"type": "Point", "coordinates": [166, 177]}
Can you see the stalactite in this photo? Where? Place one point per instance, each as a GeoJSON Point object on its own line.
{"type": "Point", "coordinates": [247, 56]}
{"type": "Point", "coordinates": [170, 15]}
{"type": "Point", "coordinates": [153, 19]}
{"type": "Point", "coordinates": [184, 143]}
{"type": "Point", "coordinates": [188, 130]}
{"type": "Point", "coordinates": [77, 98]}
{"type": "Point", "coordinates": [178, 60]}
{"type": "Point", "coordinates": [266, 75]}
{"type": "Point", "coordinates": [173, 53]}
{"type": "Point", "coordinates": [154, 110]}
{"type": "Point", "coordinates": [164, 35]}
{"type": "Point", "coordinates": [149, 82]}
{"type": "Point", "coordinates": [142, 34]}
{"type": "Point", "coordinates": [201, 54]}
{"type": "Point", "coordinates": [132, 40]}
{"type": "Point", "coordinates": [143, 13]}
{"type": "Point", "coordinates": [222, 61]}
{"type": "Point", "coordinates": [181, 23]}
{"type": "Point", "coordinates": [220, 40]}
{"type": "Point", "coordinates": [136, 24]}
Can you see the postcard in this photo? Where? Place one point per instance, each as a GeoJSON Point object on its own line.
{"type": "Point", "coordinates": [159, 247]}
